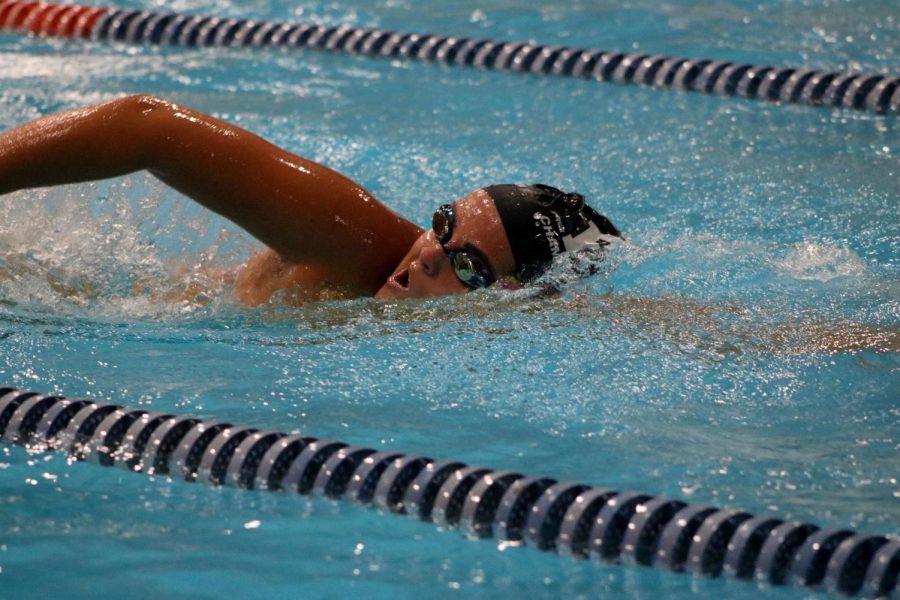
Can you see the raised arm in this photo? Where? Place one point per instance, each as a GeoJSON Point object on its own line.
{"type": "Point", "coordinates": [304, 211]}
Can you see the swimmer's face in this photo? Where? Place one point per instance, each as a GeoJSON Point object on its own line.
{"type": "Point", "coordinates": [427, 269]}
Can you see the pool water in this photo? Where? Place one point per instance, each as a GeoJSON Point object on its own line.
{"type": "Point", "coordinates": [740, 349]}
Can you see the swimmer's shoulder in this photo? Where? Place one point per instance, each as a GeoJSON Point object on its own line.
{"type": "Point", "coordinates": [267, 274]}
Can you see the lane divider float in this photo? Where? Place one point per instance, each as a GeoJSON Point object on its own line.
{"type": "Point", "coordinates": [879, 93]}
{"type": "Point", "coordinates": [573, 519]}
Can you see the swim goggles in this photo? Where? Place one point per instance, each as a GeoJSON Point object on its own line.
{"type": "Point", "coordinates": [469, 268]}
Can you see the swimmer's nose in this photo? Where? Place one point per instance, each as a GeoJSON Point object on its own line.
{"type": "Point", "coordinates": [432, 257]}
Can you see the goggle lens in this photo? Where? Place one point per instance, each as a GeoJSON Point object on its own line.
{"type": "Point", "coordinates": [442, 223]}
{"type": "Point", "coordinates": [469, 270]}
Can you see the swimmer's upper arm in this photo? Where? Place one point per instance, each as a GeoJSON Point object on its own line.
{"type": "Point", "coordinates": [302, 209]}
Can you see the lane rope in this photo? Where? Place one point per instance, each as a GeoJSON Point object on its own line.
{"type": "Point", "coordinates": [878, 93]}
{"type": "Point", "coordinates": [573, 519]}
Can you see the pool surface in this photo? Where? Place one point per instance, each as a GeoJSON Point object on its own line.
{"type": "Point", "coordinates": [740, 349]}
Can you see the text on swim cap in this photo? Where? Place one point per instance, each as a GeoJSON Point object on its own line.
{"type": "Point", "coordinates": [547, 226]}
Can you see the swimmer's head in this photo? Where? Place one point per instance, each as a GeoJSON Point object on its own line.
{"type": "Point", "coordinates": [507, 234]}
{"type": "Point", "coordinates": [542, 222]}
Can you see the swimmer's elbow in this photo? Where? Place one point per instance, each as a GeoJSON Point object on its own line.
{"type": "Point", "coordinates": [143, 122]}
{"type": "Point", "coordinates": [141, 109]}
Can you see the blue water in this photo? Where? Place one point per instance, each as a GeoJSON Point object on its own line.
{"type": "Point", "coordinates": [715, 359]}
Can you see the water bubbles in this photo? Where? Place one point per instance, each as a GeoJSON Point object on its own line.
{"type": "Point", "coordinates": [812, 261]}
{"type": "Point", "coordinates": [119, 248]}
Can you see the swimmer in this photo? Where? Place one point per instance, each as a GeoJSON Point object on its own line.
{"type": "Point", "coordinates": [328, 238]}
{"type": "Point", "coordinates": [324, 233]}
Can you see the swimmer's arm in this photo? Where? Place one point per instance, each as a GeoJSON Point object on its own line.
{"type": "Point", "coordinates": [724, 328]}
{"type": "Point", "coordinates": [304, 211]}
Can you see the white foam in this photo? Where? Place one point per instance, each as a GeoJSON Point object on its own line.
{"type": "Point", "coordinates": [56, 252]}
{"type": "Point", "coordinates": [811, 261]}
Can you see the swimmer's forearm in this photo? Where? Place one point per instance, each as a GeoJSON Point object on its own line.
{"type": "Point", "coordinates": [75, 146]}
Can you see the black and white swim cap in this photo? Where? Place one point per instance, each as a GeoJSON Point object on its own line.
{"type": "Point", "coordinates": [542, 221]}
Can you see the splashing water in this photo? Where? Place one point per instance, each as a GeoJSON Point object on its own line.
{"type": "Point", "coordinates": [812, 261]}
{"type": "Point", "coordinates": [95, 249]}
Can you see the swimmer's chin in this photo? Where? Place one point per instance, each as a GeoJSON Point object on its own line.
{"type": "Point", "coordinates": [397, 288]}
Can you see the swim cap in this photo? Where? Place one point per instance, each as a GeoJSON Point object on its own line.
{"type": "Point", "coordinates": [541, 222]}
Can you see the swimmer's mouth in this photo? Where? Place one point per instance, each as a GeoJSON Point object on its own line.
{"type": "Point", "coordinates": [402, 278]}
